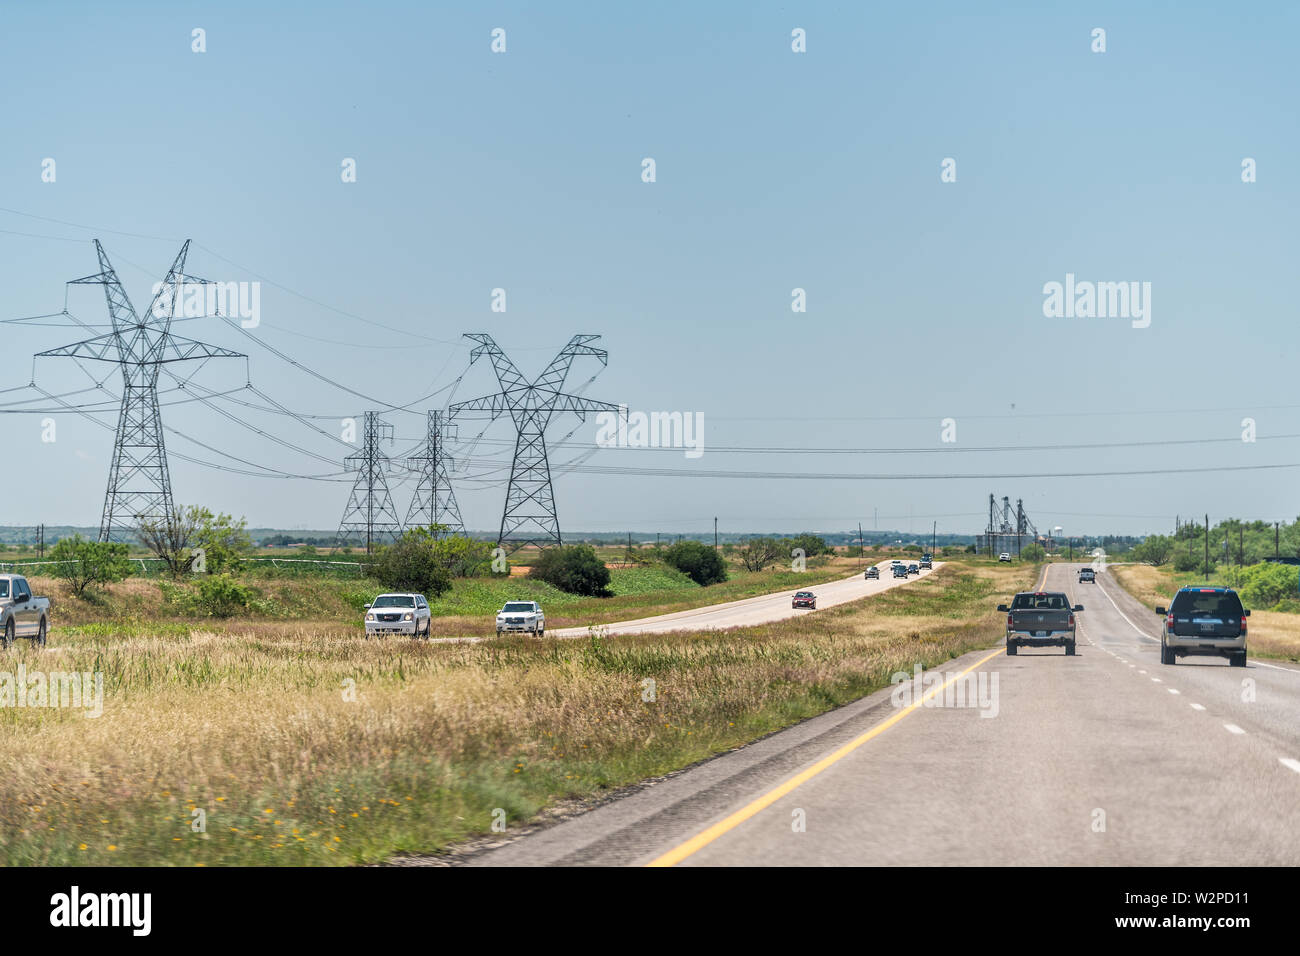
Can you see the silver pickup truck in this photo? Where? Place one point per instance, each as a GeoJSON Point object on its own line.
{"type": "Point", "coordinates": [1040, 619]}
{"type": "Point", "coordinates": [22, 614]}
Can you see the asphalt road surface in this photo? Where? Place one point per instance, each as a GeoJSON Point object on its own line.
{"type": "Point", "coordinates": [750, 611]}
{"type": "Point", "coordinates": [1105, 758]}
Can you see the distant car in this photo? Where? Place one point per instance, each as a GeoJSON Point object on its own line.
{"type": "Point", "coordinates": [399, 614]}
{"type": "Point", "coordinates": [927, 561]}
{"type": "Point", "coordinates": [804, 599]}
{"type": "Point", "coordinates": [1087, 574]}
{"type": "Point", "coordinates": [913, 568]}
{"type": "Point", "coordinates": [1204, 622]}
{"type": "Point", "coordinates": [1004, 556]}
{"type": "Point", "coordinates": [523, 616]}
{"type": "Point", "coordinates": [900, 570]}
{"type": "Point", "coordinates": [872, 573]}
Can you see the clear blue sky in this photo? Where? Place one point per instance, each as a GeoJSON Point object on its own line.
{"type": "Point", "coordinates": [775, 170]}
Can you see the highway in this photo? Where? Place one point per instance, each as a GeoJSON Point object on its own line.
{"type": "Point", "coordinates": [756, 610]}
{"type": "Point", "coordinates": [1105, 758]}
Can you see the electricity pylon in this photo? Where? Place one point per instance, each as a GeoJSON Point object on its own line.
{"type": "Point", "coordinates": [139, 483]}
{"type": "Point", "coordinates": [370, 508]}
{"type": "Point", "coordinates": [434, 503]}
{"type": "Point", "coordinates": [529, 516]}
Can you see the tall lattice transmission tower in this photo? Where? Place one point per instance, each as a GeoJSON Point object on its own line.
{"type": "Point", "coordinates": [139, 483]}
{"type": "Point", "coordinates": [434, 503]}
{"type": "Point", "coordinates": [529, 516]}
{"type": "Point", "coordinates": [370, 510]}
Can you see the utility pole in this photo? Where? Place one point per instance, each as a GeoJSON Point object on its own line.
{"type": "Point", "coordinates": [1276, 553]}
{"type": "Point", "coordinates": [529, 516]}
{"type": "Point", "coordinates": [1207, 547]}
{"type": "Point", "coordinates": [715, 534]}
{"type": "Point", "coordinates": [434, 502]}
{"type": "Point", "coordinates": [933, 528]}
{"type": "Point", "coordinates": [370, 506]}
{"type": "Point", "coordinates": [40, 540]}
{"type": "Point", "coordinates": [139, 482]}
{"type": "Point", "coordinates": [1072, 549]}
{"type": "Point", "coordinates": [1241, 547]}
{"type": "Point", "coordinates": [861, 555]}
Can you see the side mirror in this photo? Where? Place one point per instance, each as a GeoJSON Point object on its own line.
{"type": "Point", "coordinates": [1003, 607]}
{"type": "Point", "coordinates": [1078, 607]}
{"type": "Point", "coordinates": [367, 607]}
{"type": "Point", "coordinates": [1161, 611]}
{"type": "Point", "coordinates": [1245, 613]}
{"type": "Point", "coordinates": [20, 599]}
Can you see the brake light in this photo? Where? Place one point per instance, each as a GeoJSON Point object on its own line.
{"type": "Point", "coordinates": [1071, 622]}
{"type": "Point", "coordinates": [1008, 622]}
{"type": "Point", "coordinates": [1169, 621]}
{"type": "Point", "coordinates": [1243, 625]}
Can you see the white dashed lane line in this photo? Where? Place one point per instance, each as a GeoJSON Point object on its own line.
{"type": "Point", "coordinates": [1289, 763]}
{"type": "Point", "coordinates": [1233, 729]}
{"type": "Point", "coordinates": [1197, 706]}
{"type": "Point", "coordinates": [1173, 690]}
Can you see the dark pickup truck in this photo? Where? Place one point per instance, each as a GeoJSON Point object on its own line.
{"type": "Point", "coordinates": [1207, 622]}
{"type": "Point", "coordinates": [1040, 619]}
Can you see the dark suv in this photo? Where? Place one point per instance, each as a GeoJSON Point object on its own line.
{"type": "Point", "coordinates": [1205, 622]}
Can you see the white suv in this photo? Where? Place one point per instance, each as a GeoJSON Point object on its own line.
{"type": "Point", "coordinates": [524, 616]}
{"type": "Point", "coordinates": [399, 614]}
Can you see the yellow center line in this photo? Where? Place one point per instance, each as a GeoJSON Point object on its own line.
{"type": "Point", "coordinates": [701, 840]}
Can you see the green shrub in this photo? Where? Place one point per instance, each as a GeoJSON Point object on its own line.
{"type": "Point", "coordinates": [1266, 585]}
{"type": "Point", "coordinates": [573, 568]}
{"type": "Point", "coordinates": [698, 560]}
{"type": "Point", "coordinates": [412, 563]}
{"type": "Point", "coordinates": [220, 595]}
{"type": "Point", "coordinates": [84, 563]}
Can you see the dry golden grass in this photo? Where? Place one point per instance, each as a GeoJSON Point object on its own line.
{"type": "Point", "coordinates": [306, 746]}
{"type": "Point", "coordinates": [1270, 633]}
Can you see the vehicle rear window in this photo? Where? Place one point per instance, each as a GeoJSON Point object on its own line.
{"type": "Point", "coordinates": [1039, 602]}
{"type": "Point", "coordinates": [1219, 604]}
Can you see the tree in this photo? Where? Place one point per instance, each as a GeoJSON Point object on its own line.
{"type": "Point", "coordinates": [1157, 549]}
{"type": "Point", "coordinates": [84, 563]}
{"type": "Point", "coordinates": [698, 561]}
{"type": "Point", "coordinates": [462, 556]}
{"type": "Point", "coordinates": [573, 568]}
{"type": "Point", "coordinates": [224, 541]}
{"type": "Point", "coordinates": [411, 564]}
{"type": "Point", "coordinates": [758, 553]}
{"type": "Point", "coordinates": [172, 539]}
{"type": "Point", "coordinates": [811, 544]}
{"type": "Point", "coordinates": [1033, 553]}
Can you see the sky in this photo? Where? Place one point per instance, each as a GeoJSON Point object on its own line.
{"type": "Point", "coordinates": [774, 170]}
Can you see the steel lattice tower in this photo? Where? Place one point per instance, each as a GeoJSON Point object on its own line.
{"type": "Point", "coordinates": [529, 516]}
{"type": "Point", "coordinates": [434, 503]}
{"type": "Point", "coordinates": [139, 483]}
{"type": "Point", "coordinates": [370, 508]}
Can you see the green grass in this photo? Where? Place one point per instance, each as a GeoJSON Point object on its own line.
{"type": "Point", "coordinates": [252, 727]}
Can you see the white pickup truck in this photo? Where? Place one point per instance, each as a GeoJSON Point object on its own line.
{"type": "Point", "coordinates": [21, 614]}
{"type": "Point", "coordinates": [524, 616]}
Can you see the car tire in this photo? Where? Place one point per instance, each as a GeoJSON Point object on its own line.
{"type": "Point", "coordinates": [1167, 654]}
{"type": "Point", "coordinates": [39, 639]}
{"type": "Point", "coordinates": [1238, 659]}
{"type": "Point", "coordinates": [1069, 648]}
{"type": "Point", "coordinates": [1011, 648]}
{"type": "Point", "coordinates": [9, 633]}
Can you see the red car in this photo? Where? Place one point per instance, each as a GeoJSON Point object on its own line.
{"type": "Point", "coordinates": [805, 599]}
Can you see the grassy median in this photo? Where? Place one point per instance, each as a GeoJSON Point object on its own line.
{"type": "Point", "coordinates": [294, 747]}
